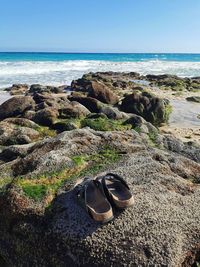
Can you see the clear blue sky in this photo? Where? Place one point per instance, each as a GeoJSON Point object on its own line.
{"type": "Point", "coordinates": [100, 25]}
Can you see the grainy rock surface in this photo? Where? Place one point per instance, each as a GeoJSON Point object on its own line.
{"type": "Point", "coordinates": [161, 229]}
{"type": "Point", "coordinates": [41, 223]}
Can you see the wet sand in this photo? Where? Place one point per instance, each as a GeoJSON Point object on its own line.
{"type": "Point", "coordinates": [4, 96]}
{"type": "Point", "coordinates": [184, 122]}
{"type": "Point", "coordinates": [184, 114]}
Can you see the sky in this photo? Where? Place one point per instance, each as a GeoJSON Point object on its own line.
{"type": "Point", "coordinates": [100, 25]}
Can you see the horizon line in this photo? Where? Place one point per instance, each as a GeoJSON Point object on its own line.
{"type": "Point", "coordinates": [62, 52]}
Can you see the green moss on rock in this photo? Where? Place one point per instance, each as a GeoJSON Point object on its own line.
{"type": "Point", "coordinates": [46, 132]}
{"type": "Point", "coordinates": [103, 124]}
{"type": "Point", "coordinates": [48, 184]}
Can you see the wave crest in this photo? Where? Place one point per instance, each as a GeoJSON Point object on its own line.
{"type": "Point", "coordinates": [63, 72]}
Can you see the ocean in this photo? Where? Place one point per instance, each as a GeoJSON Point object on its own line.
{"type": "Point", "coordinates": [62, 68]}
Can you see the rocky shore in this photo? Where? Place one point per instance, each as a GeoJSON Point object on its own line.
{"type": "Point", "coordinates": [51, 137]}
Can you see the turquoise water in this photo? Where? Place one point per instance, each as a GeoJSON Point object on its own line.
{"type": "Point", "coordinates": [115, 57]}
{"type": "Point", "coordinates": [62, 68]}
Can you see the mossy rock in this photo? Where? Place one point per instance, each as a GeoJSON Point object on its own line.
{"type": "Point", "coordinates": [104, 124]}
{"type": "Point", "coordinates": [39, 187]}
{"type": "Point", "coordinates": [151, 108]}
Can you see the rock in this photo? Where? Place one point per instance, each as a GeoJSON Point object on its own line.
{"type": "Point", "coordinates": [135, 121]}
{"type": "Point", "coordinates": [161, 229]}
{"type": "Point", "coordinates": [170, 81]}
{"type": "Point", "coordinates": [109, 77]}
{"type": "Point", "coordinates": [194, 99]}
{"type": "Point", "coordinates": [112, 80]}
{"type": "Point", "coordinates": [29, 114]}
{"type": "Point", "coordinates": [22, 122]}
{"type": "Point", "coordinates": [73, 110]}
{"type": "Point", "coordinates": [97, 116]}
{"type": "Point", "coordinates": [11, 153]}
{"type": "Point", "coordinates": [16, 107]}
{"type": "Point", "coordinates": [62, 126]}
{"type": "Point", "coordinates": [102, 93]}
{"type": "Point", "coordinates": [46, 116]}
{"type": "Point", "coordinates": [113, 113]}
{"type": "Point", "coordinates": [10, 134]}
{"type": "Point", "coordinates": [93, 105]}
{"type": "Point", "coordinates": [120, 84]}
{"type": "Point", "coordinates": [18, 89]}
{"type": "Point", "coordinates": [56, 151]}
{"type": "Point", "coordinates": [50, 100]}
{"type": "Point", "coordinates": [42, 89]}
{"type": "Point", "coordinates": [190, 150]}
{"type": "Point", "coordinates": [152, 77]}
{"type": "Point", "coordinates": [152, 109]}
{"type": "Point", "coordinates": [80, 85]}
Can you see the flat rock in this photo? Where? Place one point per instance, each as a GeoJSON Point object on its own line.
{"type": "Point", "coordinates": [161, 229]}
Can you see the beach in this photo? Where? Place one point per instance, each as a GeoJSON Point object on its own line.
{"type": "Point", "coordinates": [100, 133]}
{"type": "Point", "coordinates": [142, 127]}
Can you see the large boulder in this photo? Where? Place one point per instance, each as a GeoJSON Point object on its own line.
{"type": "Point", "coordinates": [153, 109]}
{"type": "Point", "coordinates": [102, 93]}
{"type": "Point", "coordinates": [96, 87]}
{"type": "Point", "coordinates": [16, 106]}
{"type": "Point", "coordinates": [161, 229]}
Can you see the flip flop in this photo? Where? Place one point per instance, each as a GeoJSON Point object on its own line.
{"type": "Point", "coordinates": [92, 198]}
{"type": "Point", "coordinates": [117, 190]}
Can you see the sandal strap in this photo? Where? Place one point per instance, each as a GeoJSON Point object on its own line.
{"type": "Point", "coordinates": [110, 176]}
{"type": "Point", "coordinates": [80, 191]}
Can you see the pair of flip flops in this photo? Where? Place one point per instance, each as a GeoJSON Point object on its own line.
{"type": "Point", "coordinates": [98, 196]}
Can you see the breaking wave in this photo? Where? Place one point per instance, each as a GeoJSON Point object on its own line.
{"type": "Point", "coordinates": [63, 72]}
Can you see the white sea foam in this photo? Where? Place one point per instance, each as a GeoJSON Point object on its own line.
{"type": "Point", "coordinates": [63, 72]}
